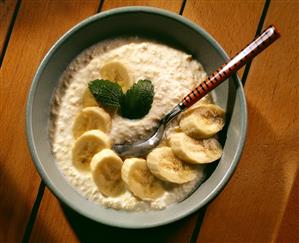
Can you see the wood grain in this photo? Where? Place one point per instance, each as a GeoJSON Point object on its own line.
{"type": "Point", "coordinates": [46, 228]}
{"type": "Point", "coordinates": [171, 5]}
{"type": "Point", "coordinates": [232, 29]}
{"type": "Point", "coordinates": [211, 15]}
{"type": "Point", "coordinates": [7, 8]}
{"type": "Point", "coordinates": [258, 204]}
{"type": "Point", "coordinates": [38, 25]}
{"type": "Point", "coordinates": [287, 231]}
{"type": "Point", "coordinates": [86, 230]}
{"type": "Point", "coordinates": [73, 227]}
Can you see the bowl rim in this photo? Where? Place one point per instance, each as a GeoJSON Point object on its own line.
{"type": "Point", "coordinates": [56, 46]}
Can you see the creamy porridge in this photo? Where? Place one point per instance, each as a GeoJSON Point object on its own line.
{"type": "Point", "coordinates": [173, 74]}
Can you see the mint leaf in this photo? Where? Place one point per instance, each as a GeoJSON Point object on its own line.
{"type": "Point", "coordinates": [138, 100]}
{"type": "Point", "coordinates": [106, 92]}
{"type": "Point", "coordinates": [135, 104]}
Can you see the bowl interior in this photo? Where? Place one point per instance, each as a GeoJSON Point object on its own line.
{"type": "Point", "coordinates": [168, 28]}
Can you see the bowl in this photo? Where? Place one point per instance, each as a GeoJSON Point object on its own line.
{"type": "Point", "coordinates": [171, 29]}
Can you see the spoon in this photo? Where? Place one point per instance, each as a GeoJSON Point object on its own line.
{"type": "Point", "coordinates": [140, 148]}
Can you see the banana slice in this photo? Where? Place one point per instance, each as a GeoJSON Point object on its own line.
{"type": "Point", "coordinates": [117, 72]}
{"type": "Point", "coordinates": [203, 121]}
{"type": "Point", "coordinates": [195, 151]}
{"type": "Point", "coordinates": [164, 165]}
{"type": "Point", "coordinates": [86, 146]}
{"type": "Point", "coordinates": [140, 181]}
{"type": "Point", "coordinates": [91, 118]}
{"type": "Point", "coordinates": [106, 173]}
{"type": "Point", "coordinates": [88, 99]}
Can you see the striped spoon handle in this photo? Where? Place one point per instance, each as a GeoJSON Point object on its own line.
{"type": "Point", "coordinates": [225, 71]}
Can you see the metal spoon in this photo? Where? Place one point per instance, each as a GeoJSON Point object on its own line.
{"type": "Point", "coordinates": [225, 71]}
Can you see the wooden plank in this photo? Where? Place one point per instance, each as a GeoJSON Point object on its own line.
{"type": "Point", "coordinates": [287, 231]}
{"type": "Point", "coordinates": [46, 228]}
{"type": "Point", "coordinates": [172, 5]}
{"type": "Point", "coordinates": [38, 25]}
{"type": "Point", "coordinates": [178, 232]}
{"type": "Point", "coordinates": [72, 227]}
{"type": "Point", "coordinates": [7, 8]}
{"type": "Point", "coordinates": [211, 15]}
{"type": "Point", "coordinates": [232, 23]}
{"type": "Point", "coordinates": [258, 204]}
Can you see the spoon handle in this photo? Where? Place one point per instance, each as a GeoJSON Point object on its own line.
{"type": "Point", "coordinates": [225, 71]}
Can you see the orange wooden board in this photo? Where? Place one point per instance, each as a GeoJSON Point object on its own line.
{"type": "Point", "coordinates": [258, 204]}
{"type": "Point", "coordinates": [232, 23]}
{"type": "Point", "coordinates": [71, 225]}
{"type": "Point", "coordinates": [7, 8]}
{"type": "Point", "coordinates": [47, 228]}
{"type": "Point", "coordinates": [38, 25]}
{"type": "Point", "coordinates": [171, 5]}
{"type": "Point", "coordinates": [178, 232]}
{"type": "Point", "coordinates": [289, 224]}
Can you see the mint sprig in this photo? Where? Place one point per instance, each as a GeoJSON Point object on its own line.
{"type": "Point", "coordinates": [106, 92]}
{"type": "Point", "coordinates": [138, 100]}
{"type": "Point", "coordinates": [135, 104]}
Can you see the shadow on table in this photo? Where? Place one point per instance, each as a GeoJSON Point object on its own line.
{"type": "Point", "coordinates": [260, 188]}
{"type": "Point", "coordinates": [91, 231]}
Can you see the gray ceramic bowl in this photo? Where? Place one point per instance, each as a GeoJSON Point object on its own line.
{"type": "Point", "coordinates": [167, 27]}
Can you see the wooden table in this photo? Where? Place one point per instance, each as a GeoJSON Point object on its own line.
{"type": "Point", "coordinates": [259, 204]}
